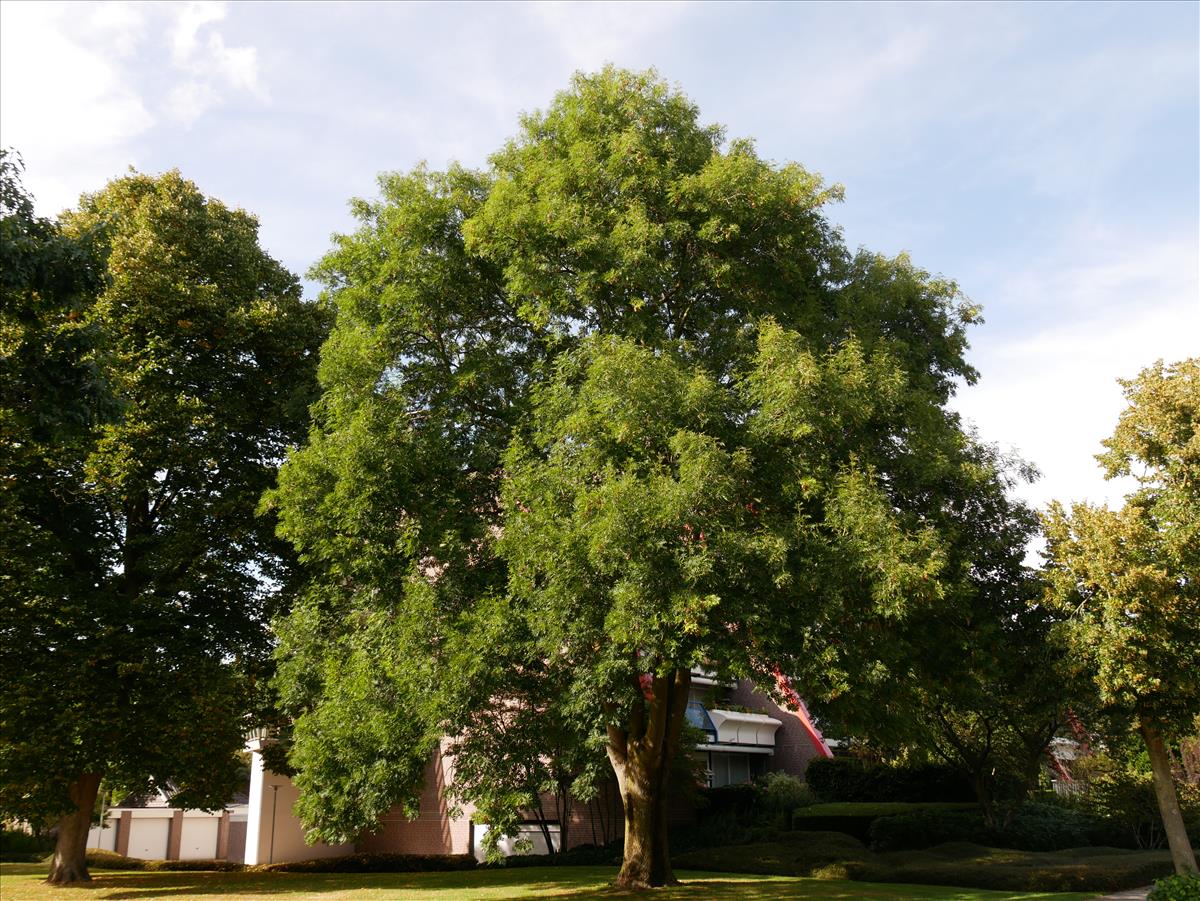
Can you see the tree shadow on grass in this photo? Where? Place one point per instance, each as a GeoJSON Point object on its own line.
{"type": "Point", "coordinates": [582, 884]}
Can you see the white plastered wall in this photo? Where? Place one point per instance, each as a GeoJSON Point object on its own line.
{"type": "Point", "coordinates": [273, 832]}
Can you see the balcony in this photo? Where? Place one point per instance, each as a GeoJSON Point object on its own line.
{"type": "Point", "coordinates": [730, 729]}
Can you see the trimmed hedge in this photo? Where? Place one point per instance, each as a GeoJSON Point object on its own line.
{"type": "Point", "coordinates": [19, 846]}
{"type": "Point", "coordinates": [831, 855]}
{"type": "Point", "coordinates": [108, 860]}
{"type": "Point", "coordinates": [351, 863]}
{"type": "Point", "coordinates": [374, 863]}
{"type": "Point", "coordinates": [1033, 827]}
{"type": "Point", "coordinates": [1181, 887]}
{"type": "Point", "coordinates": [579, 856]}
{"type": "Point", "coordinates": [849, 779]}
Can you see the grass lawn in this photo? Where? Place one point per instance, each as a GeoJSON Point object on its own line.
{"type": "Point", "coordinates": [23, 882]}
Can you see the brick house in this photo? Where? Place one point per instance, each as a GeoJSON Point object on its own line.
{"type": "Point", "coordinates": [746, 735]}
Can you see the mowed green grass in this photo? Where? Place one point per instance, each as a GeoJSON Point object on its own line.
{"type": "Point", "coordinates": [23, 882]}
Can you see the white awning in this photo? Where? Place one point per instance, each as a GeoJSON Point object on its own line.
{"type": "Point", "coordinates": [736, 728]}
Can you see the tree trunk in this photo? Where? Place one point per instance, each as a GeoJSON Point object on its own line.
{"type": "Point", "coordinates": [646, 861]}
{"type": "Point", "coordinates": [981, 783]}
{"type": "Point", "coordinates": [1182, 854]}
{"type": "Point", "coordinates": [641, 756]}
{"type": "Point", "coordinates": [70, 861]}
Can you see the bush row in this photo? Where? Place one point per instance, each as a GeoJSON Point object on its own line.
{"type": "Point", "coordinates": [1031, 827]}
{"type": "Point", "coordinates": [849, 779]}
{"type": "Point", "coordinates": [107, 860]}
{"type": "Point", "coordinates": [352, 863]}
{"type": "Point", "coordinates": [831, 855]}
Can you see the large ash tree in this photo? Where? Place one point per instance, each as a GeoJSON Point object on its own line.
{"type": "Point", "coordinates": [155, 364]}
{"type": "Point", "coordinates": [620, 405]}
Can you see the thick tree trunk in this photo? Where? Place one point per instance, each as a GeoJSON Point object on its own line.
{"type": "Point", "coordinates": [1182, 854]}
{"type": "Point", "coordinates": [641, 756]}
{"type": "Point", "coordinates": [70, 862]}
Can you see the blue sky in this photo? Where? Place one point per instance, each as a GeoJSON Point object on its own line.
{"type": "Point", "coordinates": [1046, 155]}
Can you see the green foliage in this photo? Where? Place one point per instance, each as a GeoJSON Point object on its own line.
{"type": "Point", "coordinates": [1031, 827]}
{"type": "Point", "coordinates": [155, 364]}
{"type": "Point", "coordinates": [1128, 576]}
{"type": "Point", "coordinates": [1124, 797]}
{"type": "Point", "coordinates": [375, 863]}
{"type": "Point", "coordinates": [834, 856]}
{"type": "Point", "coordinates": [1181, 887]}
{"type": "Point", "coordinates": [579, 856]}
{"type": "Point", "coordinates": [109, 860]}
{"type": "Point", "coordinates": [18, 844]}
{"type": "Point", "coordinates": [620, 405]}
{"type": "Point", "coordinates": [850, 779]}
{"type": "Point", "coordinates": [782, 793]}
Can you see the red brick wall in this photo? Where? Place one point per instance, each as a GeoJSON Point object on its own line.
{"type": "Point", "coordinates": [432, 832]}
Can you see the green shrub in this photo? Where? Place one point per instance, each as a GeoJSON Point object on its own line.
{"type": "Point", "coordinates": [107, 860]}
{"type": "Point", "coordinates": [796, 854]}
{"type": "Point", "coordinates": [1032, 827]}
{"type": "Point", "coordinates": [738, 801]}
{"type": "Point", "coordinates": [374, 863]}
{"type": "Point", "coordinates": [20, 842]}
{"type": "Point", "coordinates": [778, 794]}
{"type": "Point", "coordinates": [831, 855]}
{"type": "Point", "coordinates": [580, 856]}
{"type": "Point", "coordinates": [849, 779]}
{"type": "Point", "coordinates": [1127, 801]}
{"type": "Point", "coordinates": [709, 830]}
{"type": "Point", "coordinates": [1181, 887]}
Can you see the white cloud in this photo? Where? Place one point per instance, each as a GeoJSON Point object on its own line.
{"type": "Point", "coordinates": [210, 61]}
{"type": "Point", "coordinates": [185, 33]}
{"type": "Point", "coordinates": [83, 86]}
{"type": "Point", "coordinates": [591, 34]}
{"type": "Point", "coordinates": [120, 26]}
{"type": "Point", "coordinates": [65, 104]}
{"type": "Point", "coordinates": [1053, 394]}
{"type": "Point", "coordinates": [189, 101]}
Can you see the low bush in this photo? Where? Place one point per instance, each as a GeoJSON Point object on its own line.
{"type": "Point", "coordinates": [580, 856]}
{"type": "Point", "coordinates": [737, 801]}
{"type": "Point", "coordinates": [831, 855]}
{"type": "Point", "coordinates": [374, 863]}
{"type": "Point", "coordinates": [108, 860]}
{"type": "Point", "coordinates": [1127, 801]}
{"type": "Point", "coordinates": [19, 846]}
{"type": "Point", "coordinates": [1032, 827]}
{"type": "Point", "coordinates": [1182, 887]}
{"type": "Point", "coordinates": [18, 841]}
{"type": "Point", "coordinates": [709, 831]}
{"type": "Point", "coordinates": [794, 854]}
{"type": "Point", "coordinates": [778, 795]}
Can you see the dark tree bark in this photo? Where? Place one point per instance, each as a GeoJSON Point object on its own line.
{"type": "Point", "coordinates": [70, 854]}
{"type": "Point", "coordinates": [641, 757]}
{"type": "Point", "coordinates": [1182, 854]}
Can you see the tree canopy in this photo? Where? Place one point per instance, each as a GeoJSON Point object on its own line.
{"type": "Point", "coordinates": [1127, 578]}
{"type": "Point", "coordinates": [156, 365]}
{"type": "Point", "coordinates": [620, 405]}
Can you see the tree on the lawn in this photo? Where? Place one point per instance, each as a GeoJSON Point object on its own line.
{"type": "Point", "coordinates": [156, 365]}
{"type": "Point", "coordinates": [629, 389]}
{"type": "Point", "coordinates": [1128, 578]}
{"type": "Point", "coordinates": [986, 679]}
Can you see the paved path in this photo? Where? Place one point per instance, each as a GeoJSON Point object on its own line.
{"type": "Point", "coordinates": [1132, 894]}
